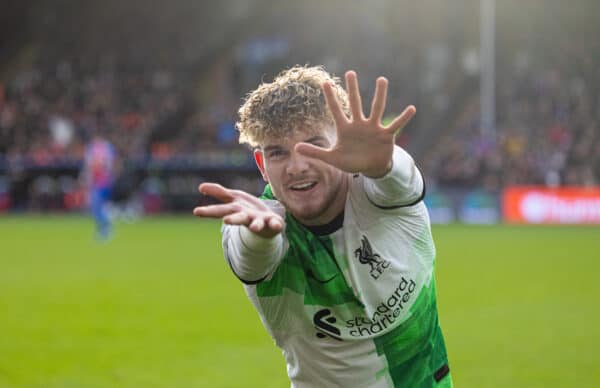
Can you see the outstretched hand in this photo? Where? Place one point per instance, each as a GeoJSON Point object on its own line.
{"type": "Point", "coordinates": [363, 144]}
{"type": "Point", "coordinates": [240, 208]}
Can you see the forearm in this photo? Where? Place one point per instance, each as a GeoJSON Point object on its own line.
{"type": "Point", "coordinates": [251, 257]}
{"type": "Point", "coordinates": [402, 185]}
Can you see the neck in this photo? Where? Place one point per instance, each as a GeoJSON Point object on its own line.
{"type": "Point", "coordinates": [328, 228]}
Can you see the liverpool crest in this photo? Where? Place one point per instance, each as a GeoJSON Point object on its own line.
{"type": "Point", "coordinates": [365, 255]}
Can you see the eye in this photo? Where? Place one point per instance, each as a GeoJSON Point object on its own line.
{"type": "Point", "coordinates": [274, 154]}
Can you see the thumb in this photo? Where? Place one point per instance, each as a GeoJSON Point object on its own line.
{"type": "Point", "coordinates": [312, 151]}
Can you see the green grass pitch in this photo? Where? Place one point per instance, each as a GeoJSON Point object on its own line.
{"type": "Point", "coordinates": [158, 307]}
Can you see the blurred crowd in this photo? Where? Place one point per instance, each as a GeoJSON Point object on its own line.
{"type": "Point", "coordinates": [48, 112]}
{"type": "Point", "coordinates": [163, 81]}
{"type": "Point", "coordinates": [547, 128]}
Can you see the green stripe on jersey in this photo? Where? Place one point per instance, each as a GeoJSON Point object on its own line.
{"type": "Point", "coordinates": [309, 268]}
{"type": "Point", "coordinates": [415, 350]}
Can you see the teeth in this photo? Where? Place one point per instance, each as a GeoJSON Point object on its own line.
{"type": "Point", "coordinates": [302, 186]}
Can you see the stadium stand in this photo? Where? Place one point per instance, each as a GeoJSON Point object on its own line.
{"type": "Point", "coordinates": [168, 102]}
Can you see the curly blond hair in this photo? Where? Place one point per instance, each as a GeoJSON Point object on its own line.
{"type": "Point", "coordinates": [293, 100]}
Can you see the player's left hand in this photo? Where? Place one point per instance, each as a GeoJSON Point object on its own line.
{"type": "Point", "coordinates": [363, 144]}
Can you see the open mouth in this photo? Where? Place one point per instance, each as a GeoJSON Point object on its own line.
{"type": "Point", "coordinates": [305, 186]}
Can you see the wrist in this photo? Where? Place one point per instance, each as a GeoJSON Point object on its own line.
{"type": "Point", "coordinates": [380, 173]}
{"type": "Point", "coordinates": [257, 242]}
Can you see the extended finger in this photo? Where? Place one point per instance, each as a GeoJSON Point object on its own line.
{"type": "Point", "coordinates": [215, 211]}
{"type": "Point", "coordinates": [257, 224]}
{"type": "Point", "coordinates": [354, 96]}
{"type": "Point", "coordinates": [248, 199]}
{"type": "Point", "coordinates": [313, 151]}
{"type": "Point", "coordinates": [379, 99]}
{"type": "Point", "coordinates": [334, 106]}
{"type": "Point", "coordinates": [239, 218]}
{"type": "Point", "coordinates": [399, 122]}
{"type": "Point", "coordinates": [275, 224]}
{"type": "Point", "coordinates": [216, 190]}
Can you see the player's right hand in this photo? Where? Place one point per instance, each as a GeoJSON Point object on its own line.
{"type": "Point", "coordinates": [240, 208]}
{"type": "Point", "coordinates": [363, 144]}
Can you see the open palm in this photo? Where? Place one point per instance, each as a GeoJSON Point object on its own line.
{"type": "Point", "coordinates": [363, 144]}
{"type": "Point", "coordinates": [240, 208]}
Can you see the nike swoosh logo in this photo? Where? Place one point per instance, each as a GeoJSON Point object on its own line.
{"type": "Point", "coordinates": [310, 274]}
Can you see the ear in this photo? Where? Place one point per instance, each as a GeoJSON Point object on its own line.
{"type": "Point", "coordinates": [260, 163]}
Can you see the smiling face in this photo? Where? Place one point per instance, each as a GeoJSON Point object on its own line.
{"type": "Point", "coordinates": [312, 191]}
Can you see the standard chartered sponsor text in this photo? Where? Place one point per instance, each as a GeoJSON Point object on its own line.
{"type": "Point", "coordinates": [387, 311]}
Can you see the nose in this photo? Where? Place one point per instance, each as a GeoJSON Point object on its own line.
{"type": "Point", "coordinates": [297, 164]}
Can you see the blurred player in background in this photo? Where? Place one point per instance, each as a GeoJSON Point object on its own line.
{"type": "Point", "coordinates": [98, 176]}
{"type": "Point", "coordinates": [337, 256]}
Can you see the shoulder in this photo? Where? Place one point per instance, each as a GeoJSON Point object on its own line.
{"type": "Point", "coordinates": [363, 210]}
